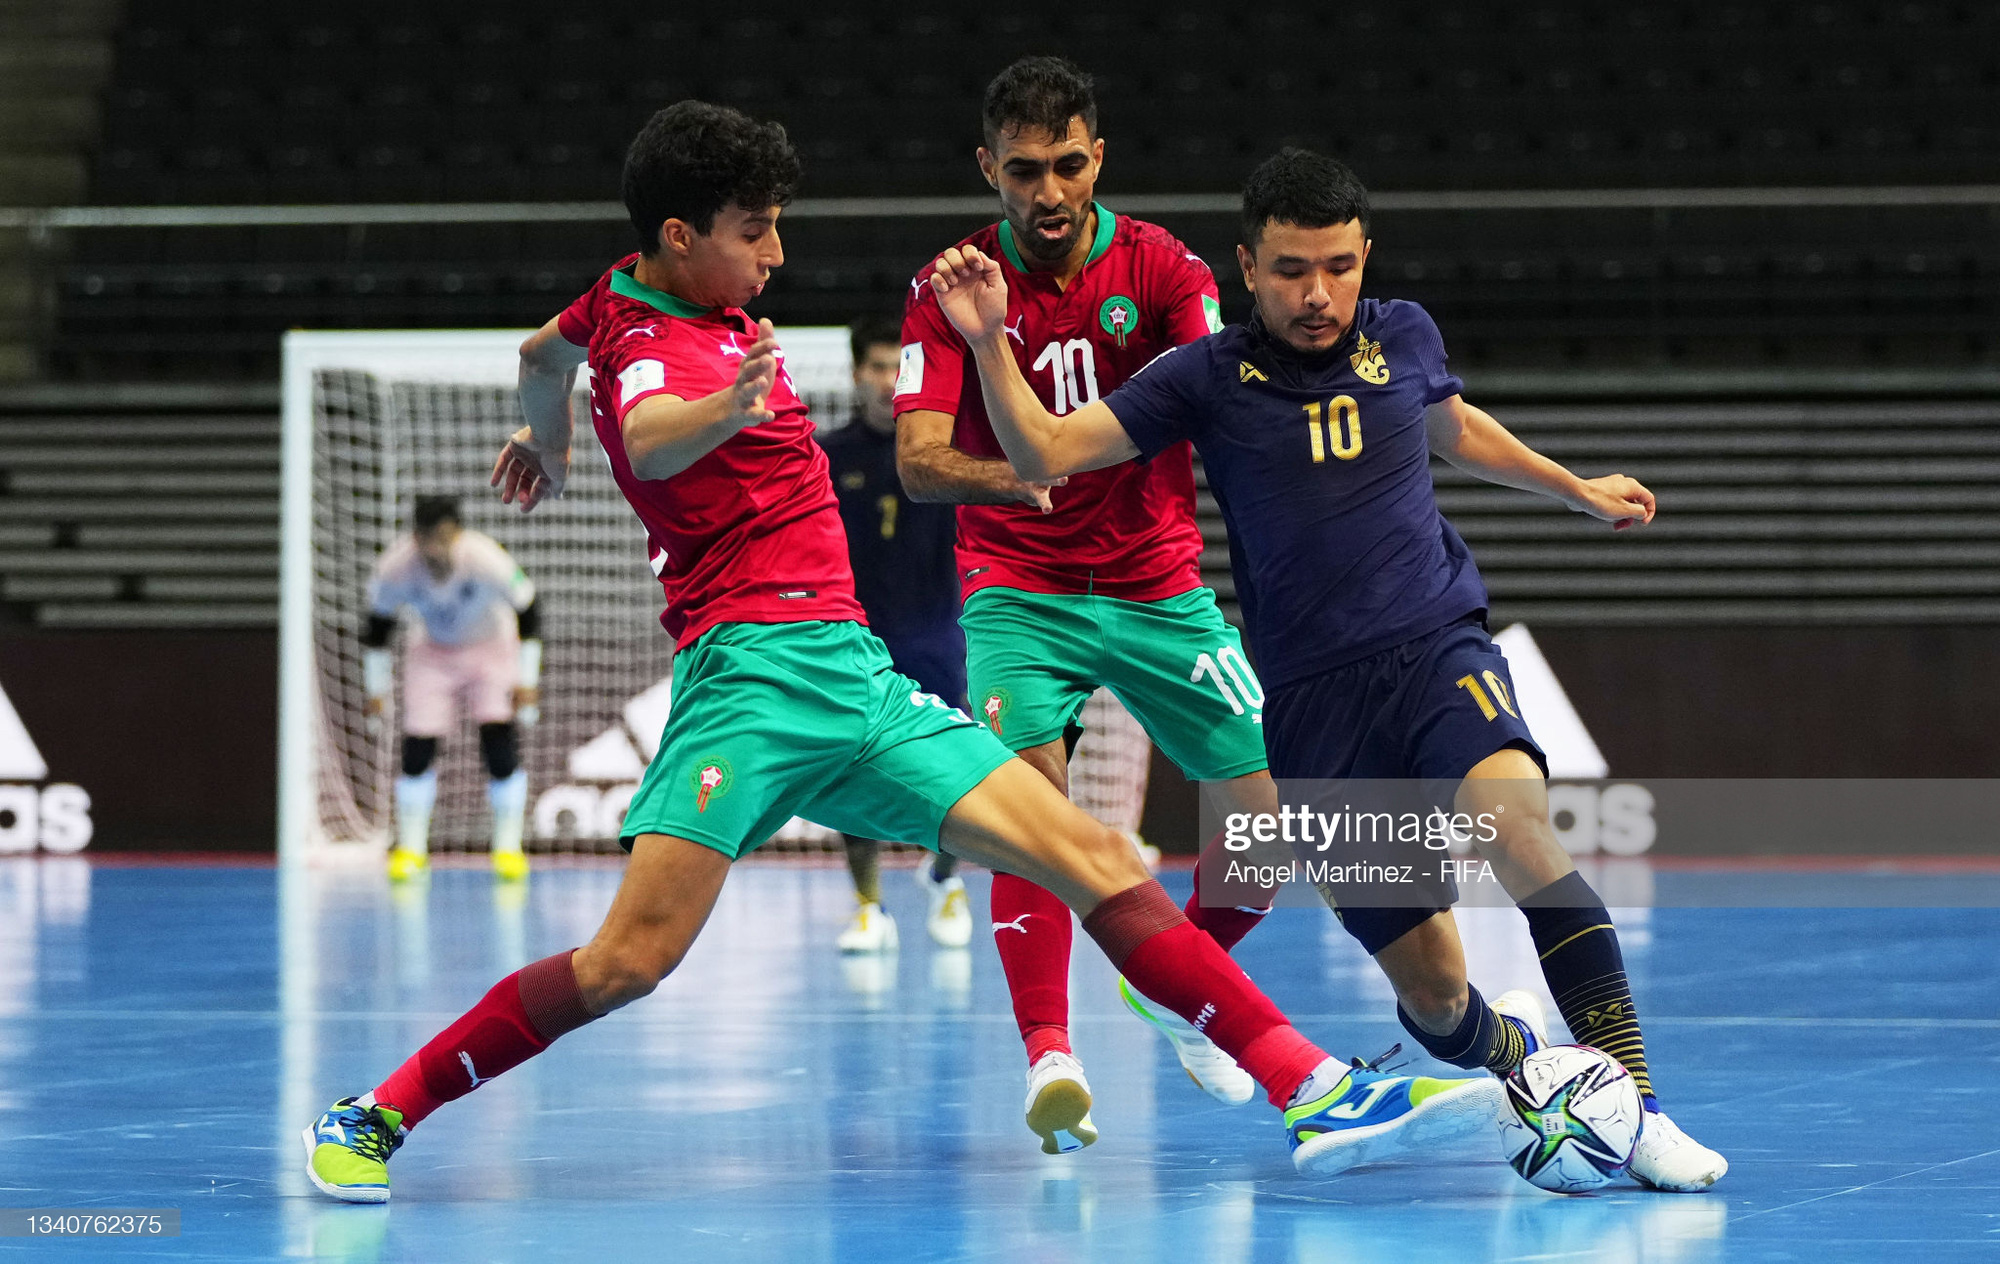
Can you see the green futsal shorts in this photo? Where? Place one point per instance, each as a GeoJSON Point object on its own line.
{"type": "Point", "coordinates": [1034, 659]}
{"type": "Point", "coordinates": [776, 720]}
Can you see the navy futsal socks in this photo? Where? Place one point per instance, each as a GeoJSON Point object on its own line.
{"type": "Point", "coordinates": [864, 866]}
{"type": "Point", "coordinates": [1482, 1038]}
{"type": "Point", "coordinates": [1586, 973]}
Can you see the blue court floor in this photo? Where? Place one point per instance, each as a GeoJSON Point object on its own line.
{"type": "Point", "coordinates": [166, 1032]}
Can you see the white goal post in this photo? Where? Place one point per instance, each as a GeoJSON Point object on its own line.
{"type": "Point", "coordinates": [372, 419]}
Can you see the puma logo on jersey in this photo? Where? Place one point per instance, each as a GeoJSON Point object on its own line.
{"type": "Point", "coordinates": [651, 331]}
{"type": "Point", "coordinates": [732, 348]}
{"type": "Point", "coordinates": [1014, 330]}
{"type": "Point", "coordinates": [1013, 925]}
{"type": "Point", "coordinates": [1248, 372]}
{"type": "Point", "coordinates": [470, 1073]}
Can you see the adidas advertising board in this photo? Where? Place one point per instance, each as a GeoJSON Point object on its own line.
{"type": "Point", "coordinates": [35, 813]}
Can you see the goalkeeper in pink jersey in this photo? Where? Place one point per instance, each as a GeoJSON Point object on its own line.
{"type": "Point", "coordinates": [476, 647]}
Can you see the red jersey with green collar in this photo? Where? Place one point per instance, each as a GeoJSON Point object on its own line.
{"type": "Point", "coordinates": [1127, 531]}
{"type": "Point", "coordinates": [751, 532]}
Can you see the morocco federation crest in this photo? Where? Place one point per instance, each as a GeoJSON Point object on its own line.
{"type": "Point", "coordinates": [711, 779]}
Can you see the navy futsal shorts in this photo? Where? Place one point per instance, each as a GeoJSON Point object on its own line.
{"type": "Point", "coordinates": [934, 657]}
{"type": "Point", "coordinates": [1427, 710]}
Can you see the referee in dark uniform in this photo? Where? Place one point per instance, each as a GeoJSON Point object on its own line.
{"type": "Point", "coordinates": [906, 578]}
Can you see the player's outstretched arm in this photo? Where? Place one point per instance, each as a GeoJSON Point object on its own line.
{"type": "Point", "coordinates": [664, 434]}
{"type": "Point", "coordinates": [934, 471]}
{"type": "Point", "coordinates": [1470, 439]}
{"type": "Point", "coordinates": [534, 463]}
{"type": "Point", "coordinates": [1041, 446]}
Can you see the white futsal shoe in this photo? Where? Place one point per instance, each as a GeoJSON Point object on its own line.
{"type": "Point", "coordinates": [949, 919]}
{"type": "Point", "coordinates": [872, 930]}
{"type": "Point", "coordinates": [1058, 1108]}
{"type": "Point", "coordinates": [1213, 1071]}
{"type": "Point", "coordinates": [1669, 1159]}
{"type": "Point", "coordinates": [1526, 1013]}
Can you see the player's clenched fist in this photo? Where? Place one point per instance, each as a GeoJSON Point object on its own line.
{"type": "Point", "coordinates": [1623, 502]}
{"type": "Point", "coordinates": [971, 291]}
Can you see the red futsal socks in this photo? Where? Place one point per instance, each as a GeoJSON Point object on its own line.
{"type": "Point", "coordinates": [1161, 953]}
{"type": "Point", "coordinates": [1031, 930]}
{"type": "Point", "coordinates": [1225, 925]}
{"type": "Point", "coordinates": [520, 1017]}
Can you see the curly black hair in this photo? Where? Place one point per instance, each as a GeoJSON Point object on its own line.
{"type": "Point", "coordinates": [692, 159]}
{"type": "Point", "coordinates": [1298, 186]}
{"type": "Point", "coordinates": [1039, 94]}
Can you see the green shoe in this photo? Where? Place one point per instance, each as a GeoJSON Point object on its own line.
{"type": "Point", "coordinates": [347, 1151]}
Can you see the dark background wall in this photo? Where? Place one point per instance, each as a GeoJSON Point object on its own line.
{"type": "Point", "coordinates": [173, 734]}
{"type": "Point", "coordinates": [1786, 701]}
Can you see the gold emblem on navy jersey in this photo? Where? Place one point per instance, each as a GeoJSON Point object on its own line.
{"type": "Point", "coordinates": [1368, 363]}
{"type": "Point", "coordinates": [1248, 372]}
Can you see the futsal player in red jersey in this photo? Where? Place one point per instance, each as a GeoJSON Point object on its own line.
{"type": "Point", "coordinates": [783, 701]}
{"type": "Point", "coordinates": [1092, 583]}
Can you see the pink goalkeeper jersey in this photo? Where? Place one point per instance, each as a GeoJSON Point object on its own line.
{"type": "Point", "coordinates": [751, 532]}
{"type": "Point", "coordinates": [476, 602]}
{"type": "Point", "coordinates": [1126, 531]}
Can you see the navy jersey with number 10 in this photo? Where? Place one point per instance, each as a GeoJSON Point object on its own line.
{"type": "Point", "coordinates": [1321, 467]}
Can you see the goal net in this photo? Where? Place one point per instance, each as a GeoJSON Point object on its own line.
{"type": "Point", "coordinates": [373, 420]}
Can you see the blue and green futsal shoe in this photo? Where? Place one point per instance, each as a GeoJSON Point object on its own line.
{"type": "Point", "coordinates": [1370, 1116]}
{"type": "Point", "coordinates": [347, 1151]}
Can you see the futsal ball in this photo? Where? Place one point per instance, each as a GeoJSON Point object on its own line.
{"type": "Point", "coordinates": [1572, 1118]}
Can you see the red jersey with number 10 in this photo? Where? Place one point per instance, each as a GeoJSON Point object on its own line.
{"type": "Point", "coordinates": [1129, 530]}
{"type": "Point", "coordinates": [751, 532]}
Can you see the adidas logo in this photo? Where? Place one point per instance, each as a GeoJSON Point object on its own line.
{"type": "Point", "coordinates": [604, 772]}
{"type": "Point", "coordinates": [53, 817]}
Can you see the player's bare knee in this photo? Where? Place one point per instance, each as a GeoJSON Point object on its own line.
{"type": "Point", "coordinates": [615, 972]}
{"type": "Point", "coordinates": [1526, 855]}
{"type": "Point", "coordinates": [1106, 860]}
{"type": "Point", "coordinates": [1437, 1005]}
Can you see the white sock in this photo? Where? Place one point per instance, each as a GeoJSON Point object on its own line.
{"type": "Point", "coordinates": [1325, 1078]}
{"type": "Point", "coordinates": [509, 799]}
{"type": "Point", "coordinates": [415, 796]}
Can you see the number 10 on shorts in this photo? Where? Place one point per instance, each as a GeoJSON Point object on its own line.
{"type": "Point", "coordinates": [1233, 679]}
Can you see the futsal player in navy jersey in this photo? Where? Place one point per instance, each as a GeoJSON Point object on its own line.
{"type": "Point", "coordinates": [1316, 421]}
